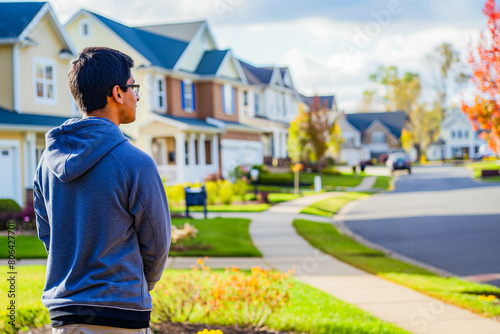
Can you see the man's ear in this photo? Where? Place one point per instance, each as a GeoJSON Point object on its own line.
{"type": "Point", "coordinates": [117, 95]}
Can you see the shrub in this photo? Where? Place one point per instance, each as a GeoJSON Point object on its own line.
{"type": "Point", "coordinates": [226, 192]}
{"type": "Point", "coordinates": [331, 171]}
{"type": "Point", "coordinates": [245, 299]}
{"type": "Point", "coordinates": [276, 179]}
{"type": "Point", "coordinates": [240, 188]}
{"type": "Point", "coordinates": [212, 190]}
{"type": "Point", "coordinates": [9, 205]}
{"type": "Point", "coordinates": [261, 168]}
{"type": "Point", "coordinates": [175, 194]}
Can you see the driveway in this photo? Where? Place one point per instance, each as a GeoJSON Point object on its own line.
{"type": "Point", "coordinates": [438, 216]}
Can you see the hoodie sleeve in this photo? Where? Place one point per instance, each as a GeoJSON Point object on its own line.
{"type": "Point", "coordinates": [42, 220]}
{"type": "Point", "coordinates": [148, 203]}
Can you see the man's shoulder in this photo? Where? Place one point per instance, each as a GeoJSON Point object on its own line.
{"type": "Point", "coordinates": [130, 156]}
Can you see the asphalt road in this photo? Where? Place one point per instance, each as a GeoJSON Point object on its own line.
{"type": "Point", "coordinates": [438, 216]}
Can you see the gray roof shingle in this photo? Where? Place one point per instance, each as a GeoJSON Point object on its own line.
{"type": "Point", "coordinates": [257, 75]}
{"type": "Point", "coordinates": [395, 121]}
{"type": "Point", "coordinates": [8, 117]}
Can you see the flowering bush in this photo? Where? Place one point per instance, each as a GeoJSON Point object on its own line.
{"type": "Point", "coordinates": [225, 192]}
{"type": "Point", "coordinates": [240, 188]}
{"type": "Point", "coordinates": [175, 194]}
{"type": "Point", "coordinates": [212, 190]}
{"type": "Point", "coordinates": [235, 297]}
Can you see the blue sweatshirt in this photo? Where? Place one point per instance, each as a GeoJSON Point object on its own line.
{"type": "Point", "coordinates": [102, 214]}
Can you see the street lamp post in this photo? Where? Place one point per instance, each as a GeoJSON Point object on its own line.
{"type": "Point", "coordinates": [254, 175]}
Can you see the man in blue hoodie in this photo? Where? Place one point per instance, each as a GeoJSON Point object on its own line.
{"type": "Point", "coordinates": [101, 208]}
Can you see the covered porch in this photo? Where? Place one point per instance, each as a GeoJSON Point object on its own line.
{"type": "Point", "coordinates": [185, 150]}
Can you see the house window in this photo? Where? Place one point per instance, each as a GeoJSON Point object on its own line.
{"type": "Point", "coordinates": [378, 137]}
{"type": "Point", "coordinates": [228, 100]}
{"type": "Point", "coordinates": [466, 133]}
{"type": "Point", "coordinates": [188, 96]}
{"type": "Point", "coordinates": [459, 133]}
{"type": "Point", "coordinates": [256, 102]}
{"type": "Point", "coordinates": [285, 107]}
{"type": "Point", "coordinates": [208, 152]}
{"type": "Point", "coordinates": [186, 152]}
{"type": "Point", "coordinates": [245, 98]}
{"type": "Point", "coordinates": [44, 80]}
{"type": "Point", "coordinates": [160, 94]}
{"type": "Point", "coordinates": [85, 29]}
{"type": "Point", "coordinates": [453, 134]}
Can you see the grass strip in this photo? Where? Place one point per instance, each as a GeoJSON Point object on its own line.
{"type": "Point", "coordinates": [223, 208]}
{"type": "Point", "coordinates": [326, 238]}
{"type": "Point", "coordinates": [383, 182]}
{"type": "Point", "coordinates": [330, 206]}
{"type": "Point", "coordinates": [217, 237]}
{"type": "Point", "coordinates": [310, 311]}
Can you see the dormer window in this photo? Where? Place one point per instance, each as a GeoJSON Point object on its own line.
{"type": "Point", "coordinates": [85, 28]}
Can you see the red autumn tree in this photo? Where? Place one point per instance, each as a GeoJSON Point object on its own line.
{"type": "Point", "coordinates": [485, 64]}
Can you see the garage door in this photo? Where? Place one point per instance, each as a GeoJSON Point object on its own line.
{"type": "Point", "coordinates": [236, 152]}
{"type": "Point", "coordinates": [7, 186]}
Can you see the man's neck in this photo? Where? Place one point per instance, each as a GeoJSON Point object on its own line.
{"type": "Point", "coordinates": [103, 113]}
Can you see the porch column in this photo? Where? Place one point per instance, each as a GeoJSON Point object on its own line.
{"type": "Point", "coordinates": [148, 141]}
{"type": "Point", "coordinates": [191, 150]}
{"type": "Point", "coordinates": [180, 155]}
{"type": "Point", "coordinates": [29, 159]}
{"type": "Point", "coordinates": [276, 149]}
{"type": "Point", "coordinates": [201, 150]}
{"type": "Point", "coordinates": [215, 151]}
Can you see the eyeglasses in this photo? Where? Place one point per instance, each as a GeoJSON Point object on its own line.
{"type": "Point", "coordinates": [135, 88]}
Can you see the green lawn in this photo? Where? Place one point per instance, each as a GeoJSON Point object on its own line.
{"type": "Point", "coordinates": [217, 237]}
{"type": "Point", "coordinates": [330, 315]}
{"type": "Point", "coordinates": [383, 182]}
{"type": "Point", "coordinates": [478, 166]}
{"type": "Point", "coordinates": [330, 206]}
{"type": "Point", "coordinates": [455, 291]}
{"type": "Point", "coordinates": [256, 207]}
{"type": "Point", "coordinates": [343, 180]}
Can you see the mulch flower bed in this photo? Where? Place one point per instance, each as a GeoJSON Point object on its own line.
{"type": "Point", "coordinates": [181, 328]}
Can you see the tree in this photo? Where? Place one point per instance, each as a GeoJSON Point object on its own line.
{"type": "Point", "coordinates": [448, 75]}
{"type": "Point", "coordinates": [485, 65]}
{"type": "Point", "coordinates": [403, 92]}
{"type": "Point", "coordinates": [312, 135]}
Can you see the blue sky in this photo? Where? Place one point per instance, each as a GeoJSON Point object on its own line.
{"type": "Point", "coordinates": [321, 41]}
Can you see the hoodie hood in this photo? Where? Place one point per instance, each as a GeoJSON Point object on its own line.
{"type": "Point", "coordinates": [78, 144]}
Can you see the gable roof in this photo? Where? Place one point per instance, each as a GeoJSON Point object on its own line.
{"type": "Point", "coordinates": [152, 46]}
{"type": "Point", "coordinates": [181, 31]}
{"type": "Point", "coordinates": [16, 16]}
{"type": "Point", "coordinates": [395, 121]}
{"type": "Point", "coordinates": [257, 75]}
{"type": "Point", "coordinates": [211, 62]}
{"type": "Point", "coordinates": [329, 100]}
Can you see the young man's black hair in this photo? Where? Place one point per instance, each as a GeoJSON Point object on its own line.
{"type": "Point", "coordinates": [94, 73]}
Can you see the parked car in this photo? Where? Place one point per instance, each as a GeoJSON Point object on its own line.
{"type": "Point", "coordinates": [397, 161]}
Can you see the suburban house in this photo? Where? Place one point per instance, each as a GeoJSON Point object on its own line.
{"type": "Point", "coordinates": [35, 53]}
{"type": "Point", "coordinates": [457, 139]}
{"type": "Point", "coordinates": [368, 135]}
{"type": "Point", "coordinates": [187, 117]}
{"type": "Point", "coordinates": [270, 102]}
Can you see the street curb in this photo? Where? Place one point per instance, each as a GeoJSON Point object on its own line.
{"type": "Point", "coordinates": [338, 222]}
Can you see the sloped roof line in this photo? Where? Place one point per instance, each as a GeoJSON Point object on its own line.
{"type": "Point", "coordinates": [395, 121]}
{"type": "Point", "coordinates": [151, 46]}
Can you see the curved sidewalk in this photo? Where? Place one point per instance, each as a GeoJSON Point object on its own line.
{"type": "Point", "coordinates": [283, 249]}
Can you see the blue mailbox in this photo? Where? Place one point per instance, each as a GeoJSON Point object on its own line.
{"type": "Point", "coordinates": [196, 196]}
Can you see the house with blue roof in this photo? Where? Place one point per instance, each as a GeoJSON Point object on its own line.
{"type": "Point", "coordinates": [369, 135]}
{"type": "Point", "coordinates": [188, 115]}
{"type": "Point", "coordinates": [35, 52]}
{"type": "Point", "coordinates": [270, 102]}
